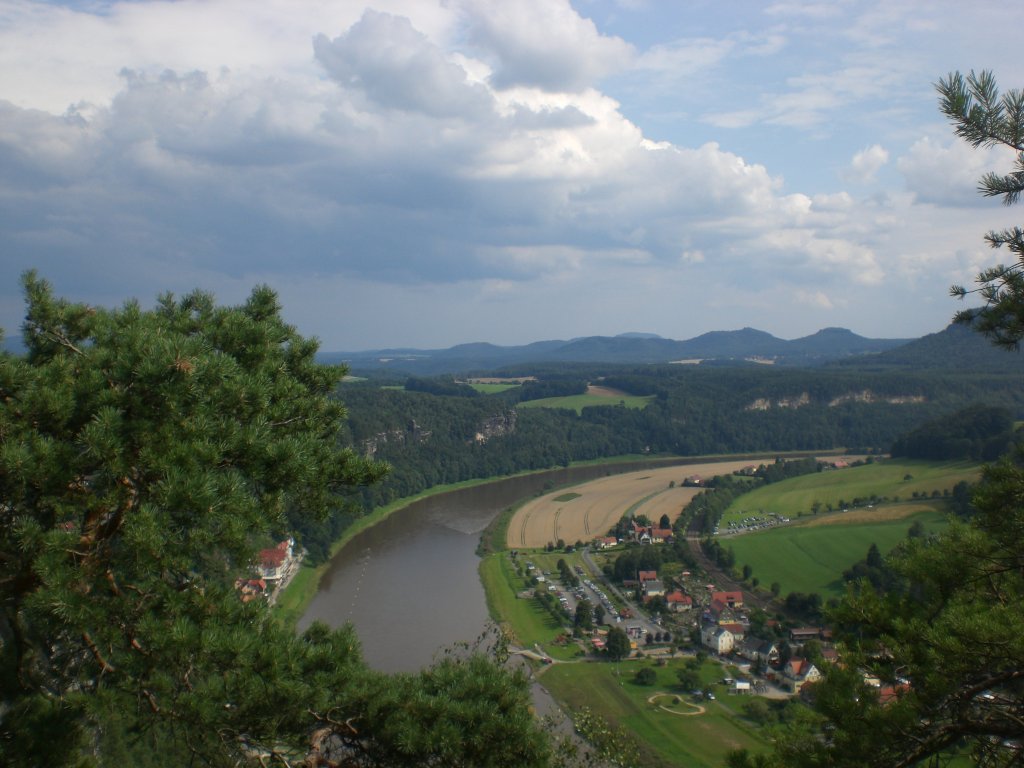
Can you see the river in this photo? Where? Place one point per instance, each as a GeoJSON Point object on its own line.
{"type": "Point", "coordinates": [409, 585]}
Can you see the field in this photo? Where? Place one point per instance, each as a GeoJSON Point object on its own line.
{"type": "Point", "coordinates": [699, 740]}
{"type": "Point", "coordinates": [599, 504]}
{"type": "Point", "coordinates": [887, 478]}
{"type": "Point", "coordinates": [593, 396]}
{"type": "Point", "coordinates": [811, 557]}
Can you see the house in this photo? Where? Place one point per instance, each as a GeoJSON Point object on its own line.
{"type": "Point", "coordinates": [251, 589]}
{"type": "Point", "coordinates": [652, 588]}
{"type": "Point", "coordinates": [606, 542]}
{"type": "Point", "coordinates": [660, 535]}
{"type": "Point", "coordinates": [801, 635]}
{"type": "Point", "coordinates": [799, 672]}
{"type": "Point", "coordinates": [274, 563]}
{"type": "Point", "coordinates": [731, 599]}
{"type": "Point", "coordinates": [718, 639]}
{"type": "Point", "coordinates": [757, 649]}
{"type": "Point", "coordinates": [677, 601]}
{"type": "Point", "coordinates": [741, 686]}
{"type": "Point", "coordinates": [739, 631]}
{"type": "Point", "coordinates": [643, 576]}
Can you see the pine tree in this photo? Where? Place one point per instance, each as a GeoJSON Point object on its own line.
{"type": "Point", "coordinates": [145, 455]}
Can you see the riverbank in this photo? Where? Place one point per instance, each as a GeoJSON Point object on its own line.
{"type": "Point", "coordinates": [295, 599]}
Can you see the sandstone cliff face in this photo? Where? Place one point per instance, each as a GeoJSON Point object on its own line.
{"type": "Point", "coordinates": [412, 434]}
{"type": "Point", "coordinates": [863, 396]}
{"type": "Point", "coordinates": [497, 426]}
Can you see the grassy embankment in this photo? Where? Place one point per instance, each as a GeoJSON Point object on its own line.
{"type": "Point", "coordinates": [810, 554]}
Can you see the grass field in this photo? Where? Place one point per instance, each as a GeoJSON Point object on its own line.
{"type": "Point", "coordinates": [812, 557]}
{"type": "Point", "coordinates": [579, 402]}
{"type": "Point", "coordinates": [881, 478]}
{"type": "Point", "coordinates": [697, 741]}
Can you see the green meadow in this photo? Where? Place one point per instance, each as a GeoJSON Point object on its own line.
{"type": "Point", "coordinates": [667, 738]}
{"type": "Point", "coordinates": [579, 402]}
{"type": "Point", "coordinates": [811, 558]}
{"type": "Point", "coordinates": [892, 478]}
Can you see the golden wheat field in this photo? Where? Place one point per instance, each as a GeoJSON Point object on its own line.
{"type": "Point", "coordinates": [592, 509]}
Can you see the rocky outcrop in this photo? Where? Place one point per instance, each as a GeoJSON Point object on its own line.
{"type": "Point", "coordinates": [411, 435]}
{"type": "Point", "coordinates": [863, 396]}
{"type": "Point", "coordinates": [867, 396]}
{"type": "Point", "coordinates": [499, 425]}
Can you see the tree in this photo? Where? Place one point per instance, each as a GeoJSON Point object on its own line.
{"type": "Point", "coordinates": [689, 679]}
{"type": "Point", "coordinates": [617, 645]}
{"type": "Point", "coordinates": [645, 676]}
{"type": "Point", "coordinates": [584, 618]}
{"type": "Point", "coordinates": [145, 457]}
{"type": "Point", "coordinates": [983, 117]}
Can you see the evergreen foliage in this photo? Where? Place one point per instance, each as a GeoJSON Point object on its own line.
{"type": "Point", "coordinates": [145, 457]}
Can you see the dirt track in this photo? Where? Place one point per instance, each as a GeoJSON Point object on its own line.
{"type": "Point", "coordinates": [601, 503]}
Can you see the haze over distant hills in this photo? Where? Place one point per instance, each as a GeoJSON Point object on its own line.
{"type": "Point", "coordinates": [745, 346]}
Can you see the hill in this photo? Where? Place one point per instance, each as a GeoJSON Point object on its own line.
{"type": "Point", "coordinates": [955, 347]}
{"type": "Point", "coordinates": [746, 346]}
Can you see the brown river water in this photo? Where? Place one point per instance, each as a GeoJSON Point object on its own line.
{"type": "Point", "coordinates": [409, 585]}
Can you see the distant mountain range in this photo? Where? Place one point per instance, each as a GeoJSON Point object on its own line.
{"type": "Point", "coordinates": [954, 348]}
{"type": "Point", "coordinates": [747, 346]}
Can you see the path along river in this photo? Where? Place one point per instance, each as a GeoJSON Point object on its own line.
{"type": "Point", "coordinates": [409, 585]}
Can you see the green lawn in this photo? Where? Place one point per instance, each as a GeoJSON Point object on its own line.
{"type": "Point", "coordinates": [880, 478]}
{"type": "Point", "coordinates": [579, 402]}
{"type": "Point", "coordinates": [811, 558]}
{"type": "Point", "coordinates": [697, 741]}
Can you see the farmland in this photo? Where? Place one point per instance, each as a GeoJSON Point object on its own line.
{"type": "Point", "coordinates": [903, 479]}
{"type": "Point", "coordinates": [811, 558]}
{"type": "Point", "coordinates": [594, 507]}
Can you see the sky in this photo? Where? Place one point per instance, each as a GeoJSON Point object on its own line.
{"type": "Point", "coordinates": [425, 173]}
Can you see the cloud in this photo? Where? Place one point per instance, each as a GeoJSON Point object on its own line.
{"type": "Point", "coordinates": [542, 44]}
{"type": "Point", "coordinates": [397, 67]}
{"type": "Point", "coordinates": [865, 164]}
{"type": "Point", "coordinates": [947, 173]}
